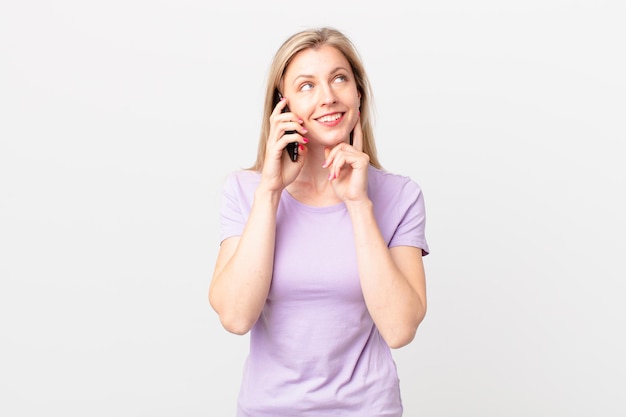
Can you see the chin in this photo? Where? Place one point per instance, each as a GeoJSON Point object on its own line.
{"type": "Point", "coordinates": [342, 138]}
{"type": "Point", "coordinates": [328, 140]}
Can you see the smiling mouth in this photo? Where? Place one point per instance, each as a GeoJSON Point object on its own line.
{"type": "Point", "coordinates": [330, 118]}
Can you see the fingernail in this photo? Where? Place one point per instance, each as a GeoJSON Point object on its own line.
{"type": "Point", "coordinates": [300, 146]}
{"type": "Point", "coordinates": [305, 140]}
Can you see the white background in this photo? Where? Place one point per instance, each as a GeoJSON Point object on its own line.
{"type": "Point", "coordinates": [119, 120]}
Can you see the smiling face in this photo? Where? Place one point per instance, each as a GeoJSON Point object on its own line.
{"type": "Point", "coordinates": [321, 90]}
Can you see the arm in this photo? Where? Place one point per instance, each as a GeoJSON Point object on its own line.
{"type": "Point", "coordinates": [243, 270]}
{"type": "Point", "coordinates": [392, 280]}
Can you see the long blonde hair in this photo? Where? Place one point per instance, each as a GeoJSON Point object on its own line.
{"type": "Point", "coordinates": [315, 38]}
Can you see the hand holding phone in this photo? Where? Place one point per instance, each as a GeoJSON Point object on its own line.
{"type": "Point", "coordinates": [292, 148]}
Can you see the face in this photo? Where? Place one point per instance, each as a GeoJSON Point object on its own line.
{"type": "Point", "coordinates": [322, 91]}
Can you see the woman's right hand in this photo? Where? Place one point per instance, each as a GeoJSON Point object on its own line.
{"type": "Point", "coordinates": [278, 169]}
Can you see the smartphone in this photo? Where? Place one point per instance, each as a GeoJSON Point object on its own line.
{"type": "Point", "coordinates": [292, 148]}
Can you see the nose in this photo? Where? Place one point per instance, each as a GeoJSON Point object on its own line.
{"type": "Point", "coordinates": [327, 95]}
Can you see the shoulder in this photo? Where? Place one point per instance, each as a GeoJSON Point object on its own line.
{"type": "Point", "coordinates": [242, 180]}
{"type": "Point", "coordinates": [391, 185]}
{"type": "Point", "coordinates": [238, 187]}
{"type": "Point", "coordinates": [243, 176]}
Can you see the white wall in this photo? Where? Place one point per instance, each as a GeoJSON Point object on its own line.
{"type": "Point", "coordinates": [114, 121]}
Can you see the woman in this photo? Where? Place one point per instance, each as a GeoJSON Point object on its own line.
{"type": "Point", "coordinates": [321, 257]}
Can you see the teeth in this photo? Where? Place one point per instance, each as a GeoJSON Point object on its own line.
{"type": "Point", "coordinates": [330, 118]}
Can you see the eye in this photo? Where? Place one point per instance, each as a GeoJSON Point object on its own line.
{"type": "Point", "coordinates": [306, 87]}
{"type": "Point", "coordinates": [341, 79]}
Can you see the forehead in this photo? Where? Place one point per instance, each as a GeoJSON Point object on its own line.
{"type": "Point", "coordinates": [316, 61]}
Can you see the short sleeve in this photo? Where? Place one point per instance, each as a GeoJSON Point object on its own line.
{"type": "Point", "coordinates": [411, 230]}
{"type": "Point", "coordinates": [232, 219]}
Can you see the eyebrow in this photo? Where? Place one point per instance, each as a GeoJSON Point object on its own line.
{"type": "Point", "coordinates": [307, 76]}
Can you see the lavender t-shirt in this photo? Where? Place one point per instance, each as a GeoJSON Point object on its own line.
{"type": "Point", "coordinates": [315, 350]}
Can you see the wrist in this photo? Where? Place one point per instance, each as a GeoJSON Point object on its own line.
{"type": "Point", "coordinates": [359, 206]}
{"type": "Point", "coordinates": [263, 195]}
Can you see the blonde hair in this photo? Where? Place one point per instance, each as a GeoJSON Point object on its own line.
{"type": "Point", "coordinates": [315, 38]}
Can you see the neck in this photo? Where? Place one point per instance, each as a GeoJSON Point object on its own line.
{"type": "Point", "coordinates": [312, 186]}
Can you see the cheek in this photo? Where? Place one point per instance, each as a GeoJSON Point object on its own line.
{"type": "Point", "coordinates": [303, 106]}
{"type": "Point", "coordinates": [357, 103]}
{"type": "Point", "coordinates": [356, 99]}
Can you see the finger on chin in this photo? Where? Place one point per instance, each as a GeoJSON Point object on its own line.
{"type": "Point", "coordinates": [326, 151]}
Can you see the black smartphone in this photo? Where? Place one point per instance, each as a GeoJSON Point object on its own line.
{"type": "Point", "coordinates": [292, 148]}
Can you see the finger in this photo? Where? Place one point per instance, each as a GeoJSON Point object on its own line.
{"type": "Point", "coordinates": [336, 167]}
{"type": "Point", "coordinates": [357, 136]}
{"type": "Point", "coordinates": [280, 106]}
{"type": "Point", "coordinates": [326, 155]}
{"type": "Point", "coordinates": [290, 125]}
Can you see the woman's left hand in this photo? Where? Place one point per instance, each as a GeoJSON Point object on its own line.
{"type": "Point", "coordinates": [347, 168]}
